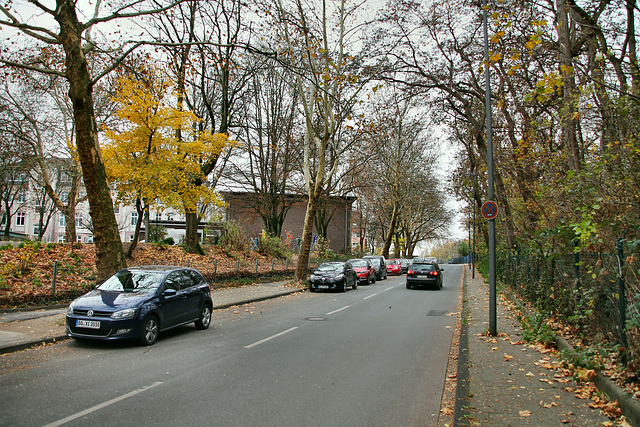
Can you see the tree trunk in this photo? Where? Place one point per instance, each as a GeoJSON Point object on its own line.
{"type": "Point", "coordinates": [108, 247]}
{"type": "Point", "coordinates": [568, 120]}
{"type": "Point", "coordinates": [307, 235]}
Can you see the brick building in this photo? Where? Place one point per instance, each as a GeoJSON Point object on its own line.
{"type": "Point", "coordinates": [240, 209]}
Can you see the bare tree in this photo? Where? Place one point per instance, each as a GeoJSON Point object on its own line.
{"type": "Point", "coordinates": [61, 31]}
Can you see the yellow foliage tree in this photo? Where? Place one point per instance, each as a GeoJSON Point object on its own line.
{"type": "Point", "coordinates": [151, 153]}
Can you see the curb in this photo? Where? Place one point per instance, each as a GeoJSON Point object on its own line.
{"type": "Point", "coordinates": [35, 343]}
{"type": "Point", "coordinates": [258, 299]}
{"type": "Point", "coordinates": [461, 410]}
{"type": "Point", "coordinates": [31, 344]}
{"type": "Point", "coordinates": [629, 406]}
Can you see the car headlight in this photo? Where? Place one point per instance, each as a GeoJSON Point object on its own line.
{"type": "Point", "coordinates": [70, 311]}
{"type": "Point", "coordinates": [340, 277]}
{"type": "Point", "coordinates": [124, 314]}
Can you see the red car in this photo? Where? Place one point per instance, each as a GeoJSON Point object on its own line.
{"type": "Point", "coordinates": [394, 267]}
{"type": "Point", "coordinates": [364, 270]}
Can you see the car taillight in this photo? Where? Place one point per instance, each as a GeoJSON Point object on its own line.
{"type": "Point", "coordinates": [434, 273]}
{"type": "Point", "coordinates": [410, 272]}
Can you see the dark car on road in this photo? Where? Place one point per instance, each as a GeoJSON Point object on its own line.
{"type": "Point", "coordinates": [405, 264]}
{"type": "Point", "coordinates": [423, 273]}
{"type": "Point", "coordinates": [139, 303]}
{"type": "Point", "coordinates": [364, 270]}
{"type": "Point", "coordinates": [333, 276]}
{"type": "Point", "coordinates": [380, 264]}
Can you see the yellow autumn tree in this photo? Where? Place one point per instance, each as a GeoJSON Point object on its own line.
{"type": "Point", "coordinates": [151, 151]}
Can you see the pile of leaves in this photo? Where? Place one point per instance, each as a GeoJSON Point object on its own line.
{"type": "Point", "coordinates": [582, 363]}
{"type": "Point", "coordinates": [27, 271]}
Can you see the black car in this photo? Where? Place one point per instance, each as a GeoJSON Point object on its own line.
{"type": "Point", "coordinates": [139, 303]}
{"type": "Point", "coordinates": [333, 276]}
{"type": "Point", "coordinates": [380, 264]}
{"type": "Point", "coordinates": [424, 273]}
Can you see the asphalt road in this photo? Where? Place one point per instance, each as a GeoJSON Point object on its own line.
{"type": "Point", "coordinates": [375, 356]}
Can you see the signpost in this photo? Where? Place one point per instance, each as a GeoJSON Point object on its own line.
{"type": "Point", "coordinates": [490, 210]}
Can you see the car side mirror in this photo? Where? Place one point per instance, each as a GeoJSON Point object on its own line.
{"type": "Point", "coordinates": [169, 292]}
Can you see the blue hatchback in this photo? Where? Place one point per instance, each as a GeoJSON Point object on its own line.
{"type": "Point", "coordinates": [139, 303]}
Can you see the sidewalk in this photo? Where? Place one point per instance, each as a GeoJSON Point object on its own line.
{"type": "Point", "coordinates": [502, 381]}
{"type": "Point", "coordinates": [23, 329]}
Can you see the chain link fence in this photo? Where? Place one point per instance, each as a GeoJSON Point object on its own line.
{"type": "Point", "coordinates": [597, 294]}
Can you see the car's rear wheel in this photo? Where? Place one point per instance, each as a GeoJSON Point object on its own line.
{"type": "Point", "coordinates": [150, 331]}
{"type": "Point", "coordinates": [344, 286]}
{"type": "Point", "coordinates": [204, 320]}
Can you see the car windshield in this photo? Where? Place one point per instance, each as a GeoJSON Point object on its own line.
{"type": "Point", "coordinates": [329, 267]}
{"type": "Point", "coordinates": [392, 262]}
{"type": "Point", "coordinates": [142, 282]}
{"type": "Point", "coordinates": [358, 262]}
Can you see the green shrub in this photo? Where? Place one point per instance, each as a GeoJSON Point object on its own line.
{"type": "Point", "coordinates": [272, 246]}
{"type": "Point", "coordinates": [233, 237]}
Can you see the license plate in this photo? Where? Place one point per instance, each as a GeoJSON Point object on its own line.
{"type": "Point", "coordinates": [424, 277]}
{"type": "Point", "coordinates": [323, 286]}
{"type": "Point", "coordinates": [91, 324]}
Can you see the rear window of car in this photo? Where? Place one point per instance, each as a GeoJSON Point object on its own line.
{"type": "Point", "coordinates": [423, 266]}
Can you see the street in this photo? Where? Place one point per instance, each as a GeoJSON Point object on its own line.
{"type": "Point", "coordinates": [375, 356]}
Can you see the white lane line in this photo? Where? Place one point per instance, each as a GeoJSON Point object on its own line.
{"type": "Point", "coordinates": [271, 337]}
{"type": "Point", "coordinates": [100, 406]}
{"type": "Point", "coordinates": [388, 289]}
{"type": "Point", "coordinates": [370, 296]}
{"type": "Point", "coordinates": [335, 311]}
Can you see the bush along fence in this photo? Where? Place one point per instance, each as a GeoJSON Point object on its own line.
{"type": "Point", "coordinates": [596, 294]}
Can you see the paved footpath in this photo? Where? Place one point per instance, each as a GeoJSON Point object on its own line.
{"type": "Point", "coordinates": [502, 381]}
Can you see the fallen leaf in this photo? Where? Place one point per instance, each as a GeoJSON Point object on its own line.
{"type": "Point", "coordinates": [507, 357]}
{"type": "Point", "coordinates": [525, 413]}
{"type": "Point", "coordinates": [446, 411]}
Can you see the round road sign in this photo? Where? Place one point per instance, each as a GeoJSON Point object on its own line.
{"type": "Point", "coordinates": [490, 210]}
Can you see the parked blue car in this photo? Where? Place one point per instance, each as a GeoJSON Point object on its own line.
{"type": "Point", "coordinates": [140, 302]}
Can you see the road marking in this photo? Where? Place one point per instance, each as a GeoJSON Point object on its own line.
{"type": "Point", "coordinates": [371, 296]}
{"type": "Point", "coordinates": [335, 311]}
{"type": "Point", "coordinates": [102, 405]}
{"type": "Point", "coordinates": [388, 289]}
{"type": "Point", "coordinates": [271, 337]}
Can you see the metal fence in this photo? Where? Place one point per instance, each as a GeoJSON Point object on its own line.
{"type": "Point", "coordinates": [597, 294]}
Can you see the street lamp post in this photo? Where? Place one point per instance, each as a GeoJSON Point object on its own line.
{"type": "Point", "coordinates": [493, 330]}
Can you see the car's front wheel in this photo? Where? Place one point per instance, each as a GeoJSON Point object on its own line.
{"type": "Point", "coordinates": [150, 331]}
{"type": "Point", "coordinates": [204, 320]}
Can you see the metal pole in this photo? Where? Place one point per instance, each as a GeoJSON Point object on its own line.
{"type": "Point", "coordinates": [493, 330]}
{"type": "Point", "coordinates": [622, 302]}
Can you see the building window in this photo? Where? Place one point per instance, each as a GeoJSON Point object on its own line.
{"type": "Point", "coordinates": [78, 220]}
{"type": "Point", "coordinates": [131, 238]}
{"type": "Point", "coordinates": [134, 218]}
{"type": "Point", "coordinates": [116, 209]}
{"type": "Point", "coordinates": [158, 216]}
{"type": "Point", "coordinates": [169, 217]}
{"type": "Point", "coordinates": [36, 230]}
{"type": "Point", "coordinates": [79, 239]}
{"type": "Point", "coordinates": [61, 221]}
{"type": "Point", "coordinates": [64, 196]}
{"type": "Point", "coordinates": [21, 197]}
{"type": "Point", "coordinates": [61, 238]}
{"type": "Point", "coordinates": [90, 239]}
{"type": "Point", "coordinates": [21, 218]}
